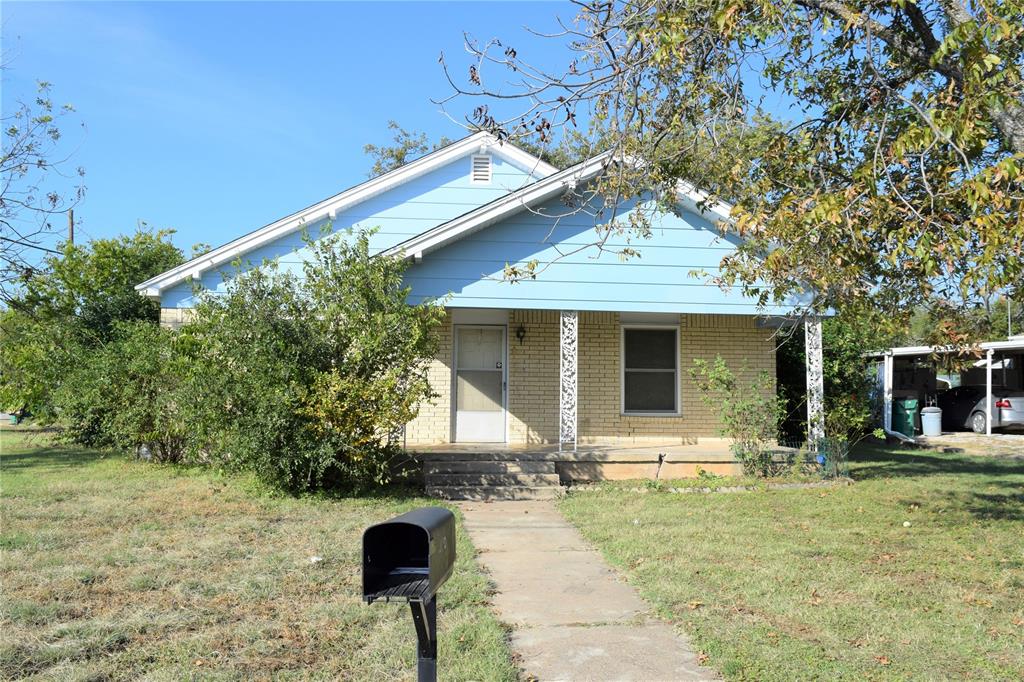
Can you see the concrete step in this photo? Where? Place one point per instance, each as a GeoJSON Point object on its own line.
{"type": "Point", "coordinates": [474, 478]}
{"type": "Point", "coordinates": [494, 493]}
{"type": "Point", "coordinates": [487, 467]}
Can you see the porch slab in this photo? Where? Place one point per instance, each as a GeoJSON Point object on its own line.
{"type": "Point", "coordinates": [710, 451]}
{"type": "Point", "coordinates": [597, 462]}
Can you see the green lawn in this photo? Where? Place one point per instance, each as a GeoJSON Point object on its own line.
{"type": "Point", "coordinates": [113, 569]}
{"type": "Point", "coordinates": [830, 583]}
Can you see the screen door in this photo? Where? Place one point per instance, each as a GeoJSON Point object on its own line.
{"type": "Point", "coordinates": [479, 384]}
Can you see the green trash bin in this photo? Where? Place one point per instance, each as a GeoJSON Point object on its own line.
{"type": "Point", "coordinates": [904, 415]}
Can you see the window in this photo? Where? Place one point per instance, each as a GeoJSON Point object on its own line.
{"type": "Point", "coordinates": [650, 370]}
{"type": "Point", "coordinates": [480, 168]}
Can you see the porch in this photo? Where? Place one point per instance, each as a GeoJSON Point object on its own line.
{"type": "Point", "coordinates": [527, 400]}
{"type": "Point", "coordinates": [596, 462]}
{"type": "Point", "coordinates": [598, 382]}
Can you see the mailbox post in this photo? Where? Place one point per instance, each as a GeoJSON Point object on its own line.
{"type": "Point", "coordinates": [408, 559]}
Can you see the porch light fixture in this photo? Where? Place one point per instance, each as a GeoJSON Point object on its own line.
{"type": "Point", "coordinates": [521, 334]}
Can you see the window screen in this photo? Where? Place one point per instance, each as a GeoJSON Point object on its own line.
{"type": "Point", "coordinates": [649, 370]}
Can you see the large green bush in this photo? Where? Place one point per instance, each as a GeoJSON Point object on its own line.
{"type": "Point", "coordinates": [132, 393]}
{"type": "Point", "coordinates": [305, 377]}
{"type": "Point", "coordinates": [302, 378]}
{"type": "Point", "coordinates": [848, 376]}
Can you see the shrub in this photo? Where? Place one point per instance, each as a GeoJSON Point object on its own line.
{"type": "Point", "coordinates": [130, 393]}
{"type": "Point", "coordinates": [750, 412]}
{"type": "Point", "coordinates": [306, 378]}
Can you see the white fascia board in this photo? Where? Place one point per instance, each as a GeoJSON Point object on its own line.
{"type": "Point", "coordinates": [1003, 345]}
{"type": "Point", "coordinates": [490, 213]}
{"type": "Point", "coordinates": [522, 159]}
{"type": "Point", "coordinates": [696, 201]}
{"type": "Point", "coordinates": [329, 208]}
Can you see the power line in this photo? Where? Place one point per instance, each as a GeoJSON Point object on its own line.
{"type": "Point", "coordinates": [31, 246]}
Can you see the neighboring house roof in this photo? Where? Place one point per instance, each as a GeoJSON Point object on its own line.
{"type": "Point", "coordinates": [330, 207]}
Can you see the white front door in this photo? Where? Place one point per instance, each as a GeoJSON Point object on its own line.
{"type": "Point", "coordinates": [479, 384]}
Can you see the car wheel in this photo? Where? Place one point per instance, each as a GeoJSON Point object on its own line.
{"type": "Point", "coordinates": [978, 422]}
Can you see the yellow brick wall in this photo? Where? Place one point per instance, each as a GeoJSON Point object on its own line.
{"type": "Point", "coordinates": [433, 423]}
{"type": "Point", "coordinates": [746, 348]}
{"type": "Point", "coordinates": [174, 318]}
{"type": "Point", "coordinates": [736, 338]}
{"type": "Point", "coordinates": [533, 379]}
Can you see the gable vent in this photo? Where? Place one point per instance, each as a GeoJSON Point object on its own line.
{"type": "Point", "coordinates": [480, 170]}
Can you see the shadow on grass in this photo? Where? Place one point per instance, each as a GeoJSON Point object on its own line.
{"type": "Point", "coordinates": [53, 456]}
{"type": "Point", "coordinates": [876, 462]}
{"type": "Point", "coordinates": [391, 492]}
{"type": "Point", "coordinates": [28, 456]}
{"type": "Point", "coordinates": [993, 506]}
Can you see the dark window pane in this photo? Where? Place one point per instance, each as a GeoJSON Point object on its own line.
{"type": "Point", "coordinates": [650, 348]}
{"type": "Point", "coordinates": [650, 391]}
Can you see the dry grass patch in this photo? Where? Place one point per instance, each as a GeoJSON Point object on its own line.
{"type": "Point", "coordinates": [116, 569]}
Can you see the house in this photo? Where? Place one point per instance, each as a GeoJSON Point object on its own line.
{"type": "Point", "coordinates": [590, 358]}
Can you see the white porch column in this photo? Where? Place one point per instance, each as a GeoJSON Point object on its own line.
{"type": "Point", "coordinates": [568, 392]}
{"type": "Point", "coordinates": [989, 357]}
{"type": "Point", "coordinates": [815, 380]}
{"type": "Point", "coordinates": [887, 393]}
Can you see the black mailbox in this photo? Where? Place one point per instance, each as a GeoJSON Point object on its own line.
{"type": "Point", "coordinates": [408, 558]}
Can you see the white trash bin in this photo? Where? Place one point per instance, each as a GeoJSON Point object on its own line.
{"type": "Point", "coordinates": [931, 421]}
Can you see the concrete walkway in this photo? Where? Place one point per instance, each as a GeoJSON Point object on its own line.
{"type": "Point", "coordinates": [573, 618]}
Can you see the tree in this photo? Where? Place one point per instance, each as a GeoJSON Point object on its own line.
{"type": "Point", "coordinates": [570, 150]}
{"type": "Point", "coordinates": [31, 154]}
{"type": "Point", "coordinates": [887, 161]}
{"type": "Point", "coordinates": [848, 376]}
{"type": "Point", "coordinates": [72, 304]}
{"type": "Point", "coordinates": [306, 379]}
{"type": "Point", "coordinates": [408, 145]}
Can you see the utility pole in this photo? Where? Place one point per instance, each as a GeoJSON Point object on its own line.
{"type": "Point", "coordinates": [71, 226]}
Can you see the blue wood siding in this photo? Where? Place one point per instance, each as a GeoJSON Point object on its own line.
{"type": "Point", "coordinates": [658, 280]}
{"type": "Point", "coordinates": [400, 213]}
{"type": "Point", "coordinates": [469, 272]}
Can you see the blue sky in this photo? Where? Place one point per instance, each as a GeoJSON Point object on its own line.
{"type": "Point", "coordinates": [217, 118]}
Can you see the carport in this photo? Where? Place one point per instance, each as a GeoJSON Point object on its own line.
{"type": "Point", "coordinates": [911, 372]}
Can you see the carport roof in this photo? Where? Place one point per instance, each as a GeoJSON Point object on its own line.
{"type": "Point", "coordinates": [1015, 343]}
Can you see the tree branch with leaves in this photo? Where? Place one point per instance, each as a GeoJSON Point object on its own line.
{"type": "Point", "coordinates": [29, 204]}
{"type": "Point", "coordinates": [873, 150]}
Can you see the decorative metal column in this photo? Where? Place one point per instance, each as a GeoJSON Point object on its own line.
{"type": "Point", "coordinates": [815, 381]}
{"type": "Point", "coordinates": [568, 393]}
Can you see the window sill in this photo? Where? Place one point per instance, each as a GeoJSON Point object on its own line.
{"type": "Point", "coordinates": [650, 414]}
